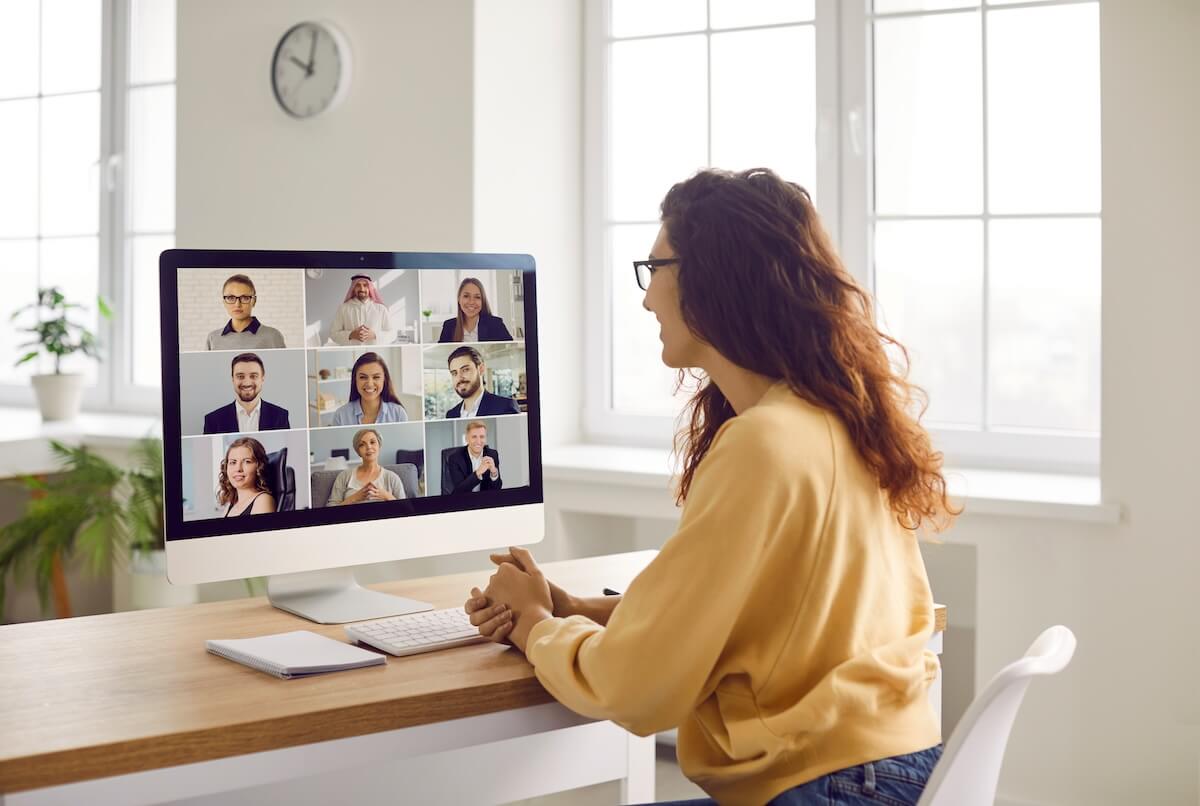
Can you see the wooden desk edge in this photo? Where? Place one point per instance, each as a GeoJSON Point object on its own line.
{"type": "Point", "coordinates": [226, 741]}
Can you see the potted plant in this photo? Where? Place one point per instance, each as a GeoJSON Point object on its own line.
{"type": "Point", "coordinates": [145, 532]}
{"type": "Point", "coordinates": [58, 393]}
{"type": "Point", "coordinates": [96, 511]}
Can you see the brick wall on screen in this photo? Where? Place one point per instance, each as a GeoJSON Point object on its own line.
{"type": "Point", "coordinates": [280, 303]}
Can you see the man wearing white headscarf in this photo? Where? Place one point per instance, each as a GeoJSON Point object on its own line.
{"type": "Point", "coordinates": [362, 318]}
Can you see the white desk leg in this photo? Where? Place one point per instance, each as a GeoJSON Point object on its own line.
{"type": "Point", "coordinates": [638, 784]}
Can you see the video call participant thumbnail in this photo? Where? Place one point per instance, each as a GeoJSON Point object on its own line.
{"type": "Point", "coordinates": [370, 481]}
{"type": "Point", "coordinates": [362, 318]}
{"type": "Point", "coordinates": [474, 466]}
{"type": "Point", "coordinates": [242, 481]}
{"type": "Point", "coordinates": [475, 321]}
{"type": "Point", "coordinates": [373, 399]}
{"type": "Point", "coordinates": [466, 373]}
{"type": "Point", "coordinates": [243, 330]}
{"type": "Point", "coordinates": [248, 411]}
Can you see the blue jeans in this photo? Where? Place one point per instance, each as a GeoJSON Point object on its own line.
{"type": "Point", "coordinates": [895, 781]}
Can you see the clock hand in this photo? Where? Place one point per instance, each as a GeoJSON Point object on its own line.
{"type": "Point", "coordinates": [302, 66]}
{"type": "Point", "coordinates": [312, 51]}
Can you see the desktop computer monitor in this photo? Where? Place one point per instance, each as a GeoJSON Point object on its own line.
{"type": "Point", "coordinates": [323, 410]}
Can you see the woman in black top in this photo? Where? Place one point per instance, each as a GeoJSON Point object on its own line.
{"type": "Point", "coordinates": [475, 321]}
{"type": "Point", "coordinates": [243, 479]}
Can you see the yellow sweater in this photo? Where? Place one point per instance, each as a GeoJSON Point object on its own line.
{"type": "Point", "coordinates": [782, 628]}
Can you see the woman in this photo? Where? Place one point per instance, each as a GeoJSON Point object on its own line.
{"type": "Point", "coordinates": [474, 321]}
{"type": "Point", "coordinates": [372, 396]}
{"type": "Point", "coordinates": [370, 481]}
{"type": "Point", "coordinates": [242, 481]}
{"type": "Point", "coordinates": [783, 627]}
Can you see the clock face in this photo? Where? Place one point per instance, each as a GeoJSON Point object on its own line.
{"type": "Point", "coordinates": [310, 72]}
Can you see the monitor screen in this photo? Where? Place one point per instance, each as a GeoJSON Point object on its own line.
{"type": "Point", "coordinates": [323, 409]}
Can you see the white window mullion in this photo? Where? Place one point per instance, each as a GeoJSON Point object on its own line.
{"type": "Point", "coordinates": [830, 117]}
{"type": "Point", "coordinates": [987, 226]}
{"type": "Point", "coordinates": [708, 104]}
{"type": "Point", "coordinates": [111, 216]}
{"type": "Point", "coordinates": [597, 285]}
{"type": "Point", "coordinates": [853, 80]}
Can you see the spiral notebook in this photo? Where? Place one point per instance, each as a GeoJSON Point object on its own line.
{"type": "Point", "coordinates": [294, 654]}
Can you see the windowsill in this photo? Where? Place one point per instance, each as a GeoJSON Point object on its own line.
{"type": "Point", "coordinates": [25, 439]}
{"type": "Point", "coordinates": [983, 492]}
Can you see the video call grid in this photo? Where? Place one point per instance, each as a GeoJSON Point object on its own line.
{"type": "Point", "coordinates": [311, 411]}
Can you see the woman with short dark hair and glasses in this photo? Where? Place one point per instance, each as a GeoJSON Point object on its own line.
{"type": "Point", "coordinates": [243, 331]}
{"type": "Point", "coordinates": [783, 627]}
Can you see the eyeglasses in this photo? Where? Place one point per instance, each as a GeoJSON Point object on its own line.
{"type": "Point", "coordinates": [644, 269]}
{"type": "Point", "coordinates": [245, 299]}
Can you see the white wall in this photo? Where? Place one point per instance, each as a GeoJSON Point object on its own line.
{"type": "Point", "coordinates": [390, 169]}
{"type": "Point", "coordinates": [529, 181]}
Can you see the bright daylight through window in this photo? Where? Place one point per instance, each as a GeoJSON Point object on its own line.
{"type": "Point", "coordinates": [88, 159]}
{"type": "Point", "coordinates": [960, 175]}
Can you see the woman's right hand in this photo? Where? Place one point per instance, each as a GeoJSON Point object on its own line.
{"type": "Point", "coordinates": [563, 602]}
{"type": "Point", "coordinates": [358, 496]}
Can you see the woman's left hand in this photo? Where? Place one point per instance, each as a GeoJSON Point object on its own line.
{"type": "Point", "coordinates": [527, 594]}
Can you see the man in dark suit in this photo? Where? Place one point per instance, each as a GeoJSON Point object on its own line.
{"type": "Point", "coordinates": [473, 467]}
{"type": "Point", "coordinates": [466, 373]}
{"type": "Point", "coordinates": [248, 412]}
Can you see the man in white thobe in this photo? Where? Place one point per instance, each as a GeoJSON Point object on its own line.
{"type": "Point", "coordinates": [363, 317]}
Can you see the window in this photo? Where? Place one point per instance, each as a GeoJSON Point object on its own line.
{"type": "Point", "coordinates": [985, 219]}
{"type": "Point", "coordinates": [87, 151]}
{"type": "Point", "coordinates": [687, 83]}
{"type": "Point", "coordinates": [953, 150]}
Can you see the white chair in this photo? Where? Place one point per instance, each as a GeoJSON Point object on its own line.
{"type": "Point", "coordinates": [969, 768]}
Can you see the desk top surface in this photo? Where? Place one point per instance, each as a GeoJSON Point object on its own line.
{"type": "Point", "coordinates": [107, 695]}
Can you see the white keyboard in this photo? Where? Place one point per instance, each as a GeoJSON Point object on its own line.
{"type": "Point", "coordinates": [416, 632]}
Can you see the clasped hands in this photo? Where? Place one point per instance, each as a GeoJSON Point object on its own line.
{"type": "Point", "coordinates": [362, 333]}
{"type": "Point", "coordinates": [518, 597]}
{"type": "Point", "coordinates": [369, 492]}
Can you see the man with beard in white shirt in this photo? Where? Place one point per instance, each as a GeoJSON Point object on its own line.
{"type": "Point", "coordinates": [363, 317]}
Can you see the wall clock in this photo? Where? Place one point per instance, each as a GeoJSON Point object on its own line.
{"type": "Point", "coordinates": [310, 71]}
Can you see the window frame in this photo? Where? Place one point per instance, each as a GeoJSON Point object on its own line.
{"type": "Point", "coordinates": [844, 147]}
{"type": "Point", "coordinates": [114, 390]}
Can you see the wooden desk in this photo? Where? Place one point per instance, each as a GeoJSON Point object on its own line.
{"type": "Point", "coordinates": [129, 708]}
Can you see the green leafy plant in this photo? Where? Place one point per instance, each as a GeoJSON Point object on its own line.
{"type": "Point", "coordinates": [92, 509]}
{"type": "Point", "coordinates": [427, 312]}
{"type": "Point", "coordinates": [55, 333]}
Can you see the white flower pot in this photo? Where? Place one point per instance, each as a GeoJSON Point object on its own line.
{"type": "Point", "coordinates": [148, 586]}
{"type": "Point", "coordinates": [59, 395]}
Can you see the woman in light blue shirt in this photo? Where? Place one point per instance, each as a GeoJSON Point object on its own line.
{"type": "Point", "coordinates": [372, 397]}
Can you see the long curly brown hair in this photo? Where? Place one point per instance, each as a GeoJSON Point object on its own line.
{"type": "Point", "coordinates": [228, 493]}
{"type": "Point", "coordinates": [760, 282]}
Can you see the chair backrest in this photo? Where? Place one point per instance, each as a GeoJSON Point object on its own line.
{"type": "Point", "coordinates": [322, 486]}
{"type": "Point", "coordinates": [969, 768]}
{"type": "Point", "coordinates": [282, 480]}
{"type": "Point", "coordinates": [417, 458]}
{"type": "Point", "coordinates": [446, 482]}
{"type": "Point", "coordinates": [408, 477]}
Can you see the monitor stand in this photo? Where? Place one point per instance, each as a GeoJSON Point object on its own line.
{"type": "Point", "coordinates": [333, 596]}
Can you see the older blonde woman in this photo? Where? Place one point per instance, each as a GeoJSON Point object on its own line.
{"type": "Point", "coordinates": [370, 481]}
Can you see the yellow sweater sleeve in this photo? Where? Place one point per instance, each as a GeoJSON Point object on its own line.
{"type": "Point", "coordinates": [648, 669]}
